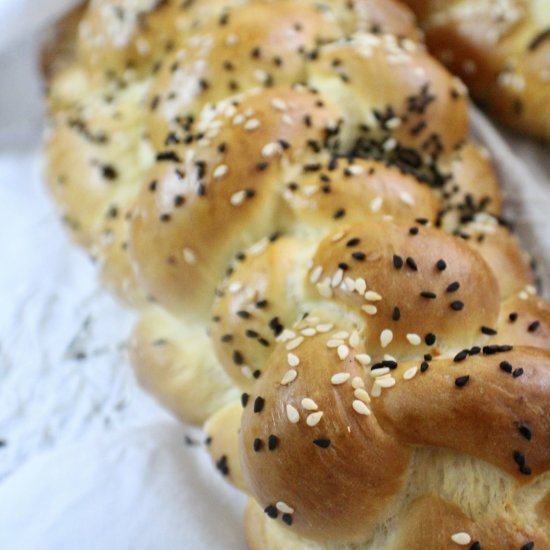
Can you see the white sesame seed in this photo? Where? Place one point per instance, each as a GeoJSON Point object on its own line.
{"type": "Point", "coordinates": [355, 170]}
{"type": "Point", "coordinates": [235, 287]}
{"type": "Point", "coordinates": [362, 395]}
{"type": "Point", "coordinates": [386, 382]}
{"type": "Point", "coordinates": [314, 418]}
{"type": "Point", "coordinates": [238, 119]}
{"type": "Point", "coordinates": [189, 256]}
{"type": "Point", "coordinates": [363, 359]}
{"type": "Point", "coordinates": [462, 538]}
{"type": "Point", "coordinates": [325, 327]}
{"type": "Point", "coordinates": [354, 339]}
{"type": "Point", "coordinates": [357, 383]}
{"type": "Point", "coordinates": [337, 278]}
{"type": "Point", "coordinates": [340, 378]}
{"type": "Point", "coordinates": [406, 198]}
{"type": "Point", "coordinates": [220, 171]}
{"type": "Point", "coordinates": [376, 390]}
{"type": "Point", "coordinates": [324, 289]}
{"type": "Point", "coordinates": [231, 39]}
{"type": "Point", "coordinates": [360, 285]}
{"type": "Point", "coordinates": [279, 104]}
{"type": "Point", "coordinates": [390, 144]}
{"type": "Point", "coordinates": [260, 76]}
{"type": "Point", "coordinates": [360, 407]}
{"type": "Point", "coordinates": [289, 376]}
{"type": "Point", "coordinates": [292, 414]}
{"type": "Point", "coordinates": [271, 149]}
{"type": "Point", "coordinates": [287, 120]}
{"type": "Point", "coordinates": [389, 357]}
{"type": "Point", "coordinates": [414, 339]}
{"type": "Point", "coordinates": [530, 289]}
{"type": "Point", "coordinates": [309, 332]}
{"type": "Point", "coordinates": [247, 372]}
{"type": "Point", "coordinates": [309, 404]}
{"type": "Point", "coordinates": [372, 296]}
{"type": "Point", "coordinates": [386, 336]}
{"type": "Point", "coordinates": [393, 123]}
{"type": "Point", "coordinates": [350, 284]}
{"type": "Point", "coordinates": [334, 342]}
{"type": "Point", "coordinates": [287, 334]}
{"type": "Point", "coordinates": [284, 508]}
{"type": "Point", "coordinates": [341, 334]}
{"type": "Point", "coordinates": [409, 374]}
{"type": "Point", "coordinates": [315, 274]}
{"type": "Point", "coordinates": [523, 295]}
{"type": "Point", "coordinates": [293, 344]}
{"type": "Point", "coordinates": [293, 360]}
{"type": "Point", "coordinates": [238, 198]}
{"type": "Point", "coordinates": [338, 236]}
{"type": "Point", "coordinates": [377, 373]}
{"type": "Point", "coordinates": [369, 309]}
{"type": "Point", "coordinates": [343, 352]}
{"type": "Point", "coordinates": [376, 204]}
{"type": "Point", "coordinates": [252, 124]}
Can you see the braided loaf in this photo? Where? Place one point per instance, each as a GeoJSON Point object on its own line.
{"type": "Point", "coordinates": [286, 192]}
{"type": "Point", "coordinates": [501, 49]}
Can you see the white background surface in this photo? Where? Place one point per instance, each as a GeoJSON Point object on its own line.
{"type": "Point", "coordinates": [90, 462]}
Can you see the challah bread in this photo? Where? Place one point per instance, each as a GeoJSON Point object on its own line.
{"type": "Point", "coordinates": [286, 192]}
{"type": "Point", "coordinates": [500, 48]}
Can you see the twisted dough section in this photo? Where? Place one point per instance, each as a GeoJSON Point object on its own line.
{"type": "Point", "coordinates": [293, 205]}
{"type": "Point", "coordinates": [502, 51]}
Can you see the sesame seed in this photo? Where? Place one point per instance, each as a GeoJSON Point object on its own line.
{"type": "Point", "coordinates": [271, 511]}
{"type": "Point", "coordinates": [337, 278]}
{"type": "Point", "coordinates": [309, 404]}
{"type": "Point", "coordinates": [360, 256]}
{"type": "Point", "coordinates": [362, 395]}
{"type": "Point", "coordinates": [424, 366]}
{"type": "Point", "coordinates": [340, 378]}
{"type": "Point", "coordinates": [460, 356]}
{"type": "Point", "coordinates": [279, 104]}
{"type": "Point", "coordinates": [271, 149]}
{"type": "Point", "coordinates": [354, 339]}
{"type": "Point", "coordinates": [376, 204]}
{"type": "Point", "coordinates": [533, 326]}
{"type": "Point", "coordinates": [357, 382]}
{"type": "Point", "coordinates": [272, 442]}
{"type": "Point", "coordinates": [414, 339]}
{"type": "Point", "coordinates": [385, 382]}
{"type": "Point", "coordinates": [409, 374]}
{"type": "Point", "coordinates": [244, 399]}
{"type": "Point", "coordinates": [289, 376]}
{"type": "Point", "coordinates": [386, 336]}
{"type": "Point", "coordinates": [429, 295]}
{"type": "Point", "coordinates": [506, 367]}
{"type": "Point", "coordinates": [453, 287]}
{"type": "Point", "coordinates": [308, 332]}
{"type": "Point", "coordinates": [259, 403]}
{"type": "Point", "coordinates": [441, 265]}
{"type": "Point", "coordinates": [397, 262]}
{"type": "Point", "coordinates": [189, 256]}
{"type": "Point", "coordinates": [369, 309]}
{"type": "Point", "coordinates": [334, 343]}
{"type": "Point", "coordinates": [525, 431]}
{"type": "Point", "coordinates": [287, 518]}
{"type": "Point", "coordinates": [292, 414]}
{"type": "Point", "coordinates": [461, 538]}
{"type": "Point", "coordinates": [322, 443]}
{"type": "Point", "coordinates": [338, 236]}
{"type": "Point", "coordinates": [314, 418]}
{"type": "Point", "coordinates": [257, 445]}
{"type": "Point", "coordinates": [238, 198]}
{"type": "Point", "coordinates": [293, 360]}
{"type": "Point", "coordinates": [360, 407]}
{"type": "Point", "coordinates": [252, 124]}
{"type": "Point", "coordinates": [326, 327]}
{"type": "Point", "coordinates": [517, 373]}
{"type": "Point", "coordinates": [372, 296]}
{"type": "Point", "coordinates": [363, 359]}
{"type": "Point", "coordinates": [220, 171]}
{"type": "Point", "coordinates": [343, 351]}
{"type": "Point", "coordinates": [382, 371]}
{"type": "Point", "coordinates": [315, 274]}
{"type": "Point", "coordinates": [457, 305]}
{"type": "Point", "coordinates": [293, 344]}
{"type": "Point", "coordinates": [284, 507]}
{"type": "Point", "coordinates": [461, 381]}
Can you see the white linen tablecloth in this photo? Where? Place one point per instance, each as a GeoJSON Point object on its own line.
{"type": "Point", "coordinates": [88, 460]}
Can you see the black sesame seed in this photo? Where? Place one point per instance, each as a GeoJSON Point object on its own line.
{"type": "Point", "coordinates": [260, 304]}
{"type": "Point", "coordinates": [488, 331]}
{"type": "Point", "coordinates": [257, 445]}
{"type": "Point", "coordinates": [243, 314]}
{"type": "Point", "coordinates": [353, 242]}
{"type": "Point", "coordinates": [413, 231]}
{"type": "Point", "coordinates": [397, 261]}
{"type": "Point", "coordinates": [227, 338]}
{"type": "Point", "coordinates": [153, 186]}
{"type": "Point", "coordinates": [424, 366]}
{"type": "Point", "coordinates": [165, 218]}
{"type": "Point", "coordinates": [109, 172]}
{"type": "Point", "coordinates": [222, 466]}
{"type": "Point", "coordinates": [238, 358]}
{"type": "Point", "coordinates": [453, 287]}
{"type": "Point", "coordinates": [249, 333]}
{"type": "Point", "coordinates": [475, 546]}
{"type": "Point", "coordinates": [429, 295]}
{"type": "Point", "coordinates": [428, 357]}
{"type": "Point", "coordinates": [271, 511]}
{"type": "Point", "coordinates": [517, 373]}
{"type": "Point", "coordinates": [272, 442]}
{"type": "Point", "coordinates": [262, 166]}
{"type": "Point", "coordinates": [412, 264]}
{"type": "Point", "coordinates": [358, 256]}
{"type": "Point", "coordinates": [343, 266]}
{"type": "Point", "coordinates": [513, 317]}
{"type": "Point", "coordinates": [519, 458]}
{"type": "Point", "coordinates": [506, 367]}
{"type": "Point", "coordinates": [323, 443]}
{"type": "Point", "coordinates": [340, 213]}
{"type": "Point", "coordinates": [257, 373]}
{"type": "Point", "coordinates": [533, 326]}
{"type": "Point", "coordinates": [525, 431]}
{"type": "Point", "coordinates": [441, 265]}
{"type": "Point", "coordinates": [287, 518]}
{"type": "Point", "coordinates": [429, 339]}
{"type": "Point", "coordinates": [528, 546]}
{"type": "Point", "coordinates": [525, 470]}
{"type": "Point", "coordinates": [460, 356]}
{"type": "Point", "coordinates": [461, 381]}
{"type": "Point", "coordinates": [457, 305]}
{"type": "Point", "coordinates": [244, 399]}
{"type": "Point", "coordinates": [259, 403]}
{"type": "Point", "coordinates": [396, 315]}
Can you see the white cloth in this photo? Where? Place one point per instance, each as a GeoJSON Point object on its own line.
{"type": "Point", "coordinates": [90, 461]}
